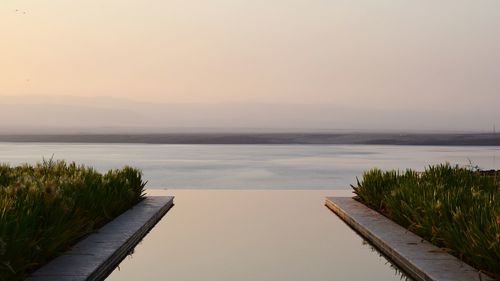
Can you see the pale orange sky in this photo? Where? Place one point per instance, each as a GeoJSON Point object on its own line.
{"type": "Point", "coordinates": [390, 55]}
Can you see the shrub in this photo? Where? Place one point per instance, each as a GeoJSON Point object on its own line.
{"type": "Point", "coordinates": [47, 207]}
{"type": "Point", "coordinates": [457, 209]}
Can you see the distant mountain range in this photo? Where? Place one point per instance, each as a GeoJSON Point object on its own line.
{"type": "Point", "coordinates": [53, 114]}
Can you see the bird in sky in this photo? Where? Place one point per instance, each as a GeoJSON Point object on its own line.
{"type": "Point", "coordinates": [20, 12]}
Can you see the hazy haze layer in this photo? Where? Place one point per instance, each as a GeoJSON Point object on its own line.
{"type": "Point", "coordinates": [111, 115]}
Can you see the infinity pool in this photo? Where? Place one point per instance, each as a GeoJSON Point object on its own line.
{"type": "Point", "coordinates": [253, 235]}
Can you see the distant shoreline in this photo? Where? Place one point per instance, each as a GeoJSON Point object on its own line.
{"type": "Point", "coordinates": [443, 139]}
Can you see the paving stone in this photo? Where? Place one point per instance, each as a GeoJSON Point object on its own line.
{"type": "Point", "coordinates": [57, 277]}
{"type": "Point", "coordinates": [69, 265]}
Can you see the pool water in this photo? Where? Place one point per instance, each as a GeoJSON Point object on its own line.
{"type": "Point", "coordinates": [253, 235]}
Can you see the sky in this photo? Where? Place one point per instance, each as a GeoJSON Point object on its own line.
{"type": "Point", "coordinates": [393, 64]}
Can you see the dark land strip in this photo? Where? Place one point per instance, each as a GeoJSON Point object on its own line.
{"type": "Point", "coordinates": [476, 139]}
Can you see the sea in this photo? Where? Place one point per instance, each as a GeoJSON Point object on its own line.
{"type": "Point", "coordinates": [168, 166]}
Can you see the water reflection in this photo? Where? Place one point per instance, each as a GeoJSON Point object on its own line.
{"type": "Point", "coordinates": [253, 235]}
{"type": "Point", "coordinates": [397, 271]}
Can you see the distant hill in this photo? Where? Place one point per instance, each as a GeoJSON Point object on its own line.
{"type": "Point", "coordinates": [63, 115]}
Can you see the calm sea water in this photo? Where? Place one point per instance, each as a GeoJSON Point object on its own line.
{"type": "Point", "coordinates": [251, 166]}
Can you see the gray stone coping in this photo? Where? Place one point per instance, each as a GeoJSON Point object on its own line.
{"type": "Point", "coordinates": [416, 256]}
{"type": "Point", "coordinates": [96, 256]}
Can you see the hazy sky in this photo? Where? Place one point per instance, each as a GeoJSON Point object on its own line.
{"type": "Point", "coordinates": [439, 56]}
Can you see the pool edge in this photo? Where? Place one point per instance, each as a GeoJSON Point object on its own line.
{"type": "Point", "coordinates": [415, 256]}
{"type": "Point", "coordinates": [97, 255]}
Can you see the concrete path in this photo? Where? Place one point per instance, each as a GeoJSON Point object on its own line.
{"type": "Point", "coordinates": [419, 258]}
{"type": "Point", "coordinates": [94, 257]}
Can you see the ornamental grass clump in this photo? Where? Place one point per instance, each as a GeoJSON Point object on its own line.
{"type": "Point", "coordinates": [457, 209]}
{"type": "Point", "coordinates": [44, 208]}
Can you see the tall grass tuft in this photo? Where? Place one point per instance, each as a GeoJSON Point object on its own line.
{"type": "Point", "coordinates": [44, 208]}
{"type": "Point", "coordinates": [457, 209]}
